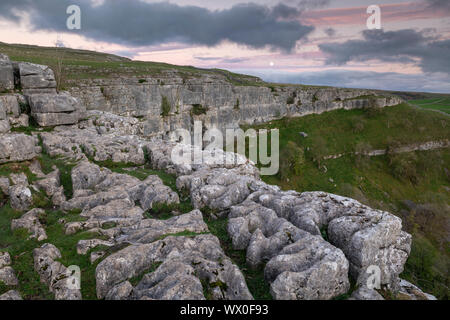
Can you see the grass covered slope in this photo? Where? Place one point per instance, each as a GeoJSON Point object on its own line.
{"type": "Point", "coordinates": [414, 186]}
{"type": "Point", "coordinates": [83, 64]}
{"type": "Point", "coordinates": [440, 104]}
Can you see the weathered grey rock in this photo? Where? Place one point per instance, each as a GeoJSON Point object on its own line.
{"type": "Point", "coordinates": [35, 78]}
{"type": "Point", "coordinates": [149, 230]}
{"type": "Point", "coordinates": [84, 246]}
{"type": "Point", "coordinates": [203, 253]}
{"type": "Point", "coordinates": [55, 109]}
{"type": "Point", "coordinates": [301, 266]}
{"type": "Point", "coordinates": [21, 197]}
{"type": "Point", "coordinates": [8, 276]}
{"type": "Point", "coordinates": [308, 269]}
{"type": "Point", "coordinates": [120, 292]}
{"type": "Point", "coordinates": [364, 293]}
{"type": "Point", "coordinates": [366, 236]}
{"type": "Point", "coordinates": [30, 221]}
{"type": "Point", "coordinates": [157, 193]}
{"type": "Point", "coordinates": [257, 104]}
{"type": "Point", "coordinates": [21, 121]}
{"type": "Point", "coordinates": [35, 168]}
{"type": "Point", "coordinates": [77, 144]}
{"type": "Point", "coordinates": [173, 280]}
{"type": "Point", "coordinates": [54, 274]}
{"type": "Point", "coordinates": [5, 259]}
{"type": "Point", "coordinates": [9, 106]}
{"type": "Point", "coordinates": [408, 291]}
{"type": "Point", "coordinates": [18, 147]}
{"type": "Point", "coordinates": [50, 183]}
{"type": "Point", "coordinates": [11, 295]}
{"type": "Point", "coordinates": [217, 188]}
{"type": "Point", "coordinates": [18, 179]}
{"type": "Point", "coordinates": [6, 73]}
{"type": "Point", "coordinates": [53, 103]}
{"type": "Point", "coordinates": [55, 119]}
{"type": "Point", "coordinates": [2, 111]}
{"type": "Point", "coordinates": [97, 255]}
{"type": "Point", "coordinates": [4, 126]}
{"type": "Point", "coordinates": [4, 185]}
{"type": "Point", "coordinates": [87, 175]}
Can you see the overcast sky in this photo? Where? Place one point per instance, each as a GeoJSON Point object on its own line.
{"type": "Point", "coordinates": [323, 42]}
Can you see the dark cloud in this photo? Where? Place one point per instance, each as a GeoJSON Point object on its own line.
{"type": "Point", "coordinates": [405, 46]}
{"type": "Point", "coordinates": [330, 32]}
{"type": "Point", "coordinates": [439, 4]}
{"type": "Point", "coordinates": [435, 82]}
{"type": "Point", "coordinates": [138, 23]}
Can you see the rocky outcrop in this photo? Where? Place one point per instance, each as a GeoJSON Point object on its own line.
{"type": "Point", "coordinates": [220, 103]}
{"type": "Point", "coordinates": [408, 291]}
{"type": "Point", "coordinates": [11, 295]}
{"type": "Point", "coordinates": [21, 197]}
{"type": "Point", "coordinates": [7, 274]}
{"type": "Point", "coordinates": [17, 147]}
{"type": "Point", "coordinates": [36, 78]}
{"type": "Point", "coordinates": [280, 230]}
{"type": "Point", "coordinates": [107, 197]}
{"type": "Point", "coordinates": [54, 274]}
{"type": "Point", "coordinates": [89, 143]}
{"type": "Point", "coordinates": [55, 109]}
{"type": "Point", "coordinates": [11, 115]}
{"type": "Point", "coordinates": [6, 74]}
{"type": "Point", "coordinates": [30, 222]}
{"type": "Point", "coordinates": [308, 244]}
{"type": "Point", "coordinates": [184, 263]}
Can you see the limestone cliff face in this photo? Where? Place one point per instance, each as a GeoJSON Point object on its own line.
{"type": "Point", "coordinates": [210, 98]}
{"type": "Point", "coordinates": [221, 104]}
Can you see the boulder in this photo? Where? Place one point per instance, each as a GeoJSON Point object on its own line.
{"type": "Point", "coordinates": [36, 78]}
{"type": "Point", "coordinates": [364, 293]}
{"type": "Point", "coordinates": [408, 291]}
{"type": "Point", "coordinates": [11, 295]}
{"type": "Point", "coordinates": [8, 276]}
{"type": "Point", "coordinates": [16, 147]}
{"type": "Point", "coordinates": [185, 262]}
{"type": "Point", "coordinates": [84, 246]}
{"type": "Point", "coordinates": [6, 73]}
{"type": "Point", "coordinates": [5, 259]}
{"type": "Point", "coordinates": [4, 126]}
{"type": "Point", "coordinates": [30, 221]}
{"type": "Point", "coordinates": [53, 103]}
{"type": "Point", "coordinates": [55, 274]}
{"type": "Point", "coordinates": [2, 111]}
{"type": "Point", "coordinates": [10, 106]}
{"type": "Point", "coordinates": [4, 185]}
{"type": "Point", "coordinates": [20, 197]}
{"type": "Point", "coordinates": [55, 119]}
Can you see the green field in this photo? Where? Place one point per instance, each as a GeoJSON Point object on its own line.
{"type": "Point", "coordinates": [382, 182]}
{"type": "Point", "coordinates": [441, 104]}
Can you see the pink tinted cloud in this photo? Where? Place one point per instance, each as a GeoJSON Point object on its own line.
{"type": "Point", "coordinates": [357, 15]}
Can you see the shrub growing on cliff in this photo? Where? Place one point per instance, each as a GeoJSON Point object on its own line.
{"type": "Point", "coordinates": [290, 100]}
{"type": "Point", "coordinates": [198, 109]}
{"type": "Point", "coordinates": [237, 104]}
{"type": "Point", "coordinates": [165, 107]}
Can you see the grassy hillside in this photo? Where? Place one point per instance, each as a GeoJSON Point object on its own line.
{"type": "Point", "coordinates": [83, 64]}
{"type": "Point", "coordinates": [414, 186]}
{"type": "Point", "coordinates": [440, 104]}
